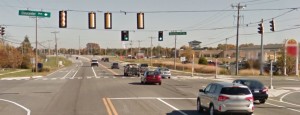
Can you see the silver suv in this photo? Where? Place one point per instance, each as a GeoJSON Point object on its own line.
{"type": "Point", "coordinates": [223, 97]}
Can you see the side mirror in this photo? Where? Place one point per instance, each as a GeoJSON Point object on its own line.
{"type": "Point", "coordinates": [201, 90]}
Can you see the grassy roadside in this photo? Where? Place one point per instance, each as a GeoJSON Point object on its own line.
{"type": "Point", "coordinates": [50, 65]}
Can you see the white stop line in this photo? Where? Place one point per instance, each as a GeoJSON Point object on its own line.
{"type": "Point", "coordinates": [26, 109]}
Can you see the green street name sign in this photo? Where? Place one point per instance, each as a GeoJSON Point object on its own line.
{"type": "Point", "coordinates": [34, 13]}
{"type": "Point", "coordinates": [177, 33]}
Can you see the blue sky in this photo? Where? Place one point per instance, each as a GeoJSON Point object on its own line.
{"type": "Point", "coordinates": [198, 25]}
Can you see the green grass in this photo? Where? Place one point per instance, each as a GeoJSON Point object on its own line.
{"type": "Point", "coordinates": [51, 64]}
{"type": "Point", "coordinates": [3, 71]}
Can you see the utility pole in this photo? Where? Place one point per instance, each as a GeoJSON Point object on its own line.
{"type": "Point", "coordinates": [49, 47]}
{"type": "Point", "coordinates": [131, 49]}
{"type": "Point", "coordinates": [36, 44]}
{"type": "Point", "coordinates": [56, 51]}
{"type": "Point", "coordinates": [79, 46]}
{"type": "Point", "coordinates": [239, 7]}
{"type": "Point", "coordinates": [225, 52]}
{"type": "Point", "coordinates": [139, 41]}
{"type": "Point", "coordinates": [151, 51]}
{"type": "Point", "coordinates": [175, 52]}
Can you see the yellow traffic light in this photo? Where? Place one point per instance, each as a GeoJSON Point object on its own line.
{"type": "Point", "coordinates": [107, 20]}
{"type": "Point", "coordinates": [140, 20]}
{"type": "Point", "coordinates": [92, 20]}
{"type": "Point", "coordinates": [62, 19]}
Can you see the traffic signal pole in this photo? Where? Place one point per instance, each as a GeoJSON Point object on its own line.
{"type": "Point", "coordinates": [151, 51]}
{"type": "Point", "coordinates": [261, 51]}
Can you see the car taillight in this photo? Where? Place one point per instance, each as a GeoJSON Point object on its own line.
{"type": "Point", "coordinates": [265, 89]}
{"type": "Point", "coordinates": [158, 76]}
{"type": "Point", "coordinates": [249, 98]}
{"type": "Point", "coordinates": [222, 98]}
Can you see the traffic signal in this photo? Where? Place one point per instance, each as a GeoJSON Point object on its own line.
{"type": "Point", "coordinates": [2, 31]}
{"type": "Point", "coordinates": [160, 36]}
{"type": "Point", "coordinates": [140, 20]}
{"type": "Point", "coordinates": [125, 35]}
{"type": "Point", "coordinates": [272, 25]}
{"type": "Point", "coordinates": [107, 20]}
{"type": "Point", "coordinates": [62, 19]}
{"type": "Point", "coordinates": [260, 28]}
{"type": "Point", "coordinates": [92, 20]}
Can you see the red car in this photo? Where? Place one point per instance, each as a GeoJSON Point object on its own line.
{"type": "Point", "coordinates": [151, 77]}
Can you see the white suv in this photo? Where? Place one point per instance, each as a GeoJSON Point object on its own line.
{"type": "Point", "coordinates": [94, 62]}
{"type": "Point", "coordinates": [223, 97]}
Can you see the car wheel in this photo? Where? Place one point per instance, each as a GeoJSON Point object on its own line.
{"type": "Point", "coordinates": [199, 107]}
{"type": "Point", "coordinates": [262, 101]}
{"type": "Point", "coordinates": [159, 83]}
{"type": "Point", "coordinates": [211, 110]}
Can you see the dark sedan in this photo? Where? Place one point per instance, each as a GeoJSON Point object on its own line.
{"type": "Point", "coordinates": [115, 66]}
{"type": "Point", "coordinates": [259, 91]}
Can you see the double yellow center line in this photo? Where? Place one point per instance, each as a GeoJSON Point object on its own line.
{"type": "Point", "coordinates": [109, 106]}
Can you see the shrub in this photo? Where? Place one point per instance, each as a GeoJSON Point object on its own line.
{"type": "Point", "coordinates": [202, 60]}
{"type": "Point", "coordinates": [26, 62]}
{"type": "Point", "coordinates": [46, 69]}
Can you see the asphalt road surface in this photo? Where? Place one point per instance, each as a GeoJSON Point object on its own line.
{"type": "Point", "coordinates": [85, 90]}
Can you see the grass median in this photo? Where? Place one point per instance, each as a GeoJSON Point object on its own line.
{"type": "Point", "coordinates": [48, 67]}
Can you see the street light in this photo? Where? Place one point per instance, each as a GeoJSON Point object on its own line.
{"type": "Point", "coordinates": [55, 32]}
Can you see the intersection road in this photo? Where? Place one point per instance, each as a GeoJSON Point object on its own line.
{"type": "Point", "coordinates": [84, 90]}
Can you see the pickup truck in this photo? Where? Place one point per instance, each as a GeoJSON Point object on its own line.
{"type": "Point", "coordinates": [131, 69]}
{"type": "Point", "coordinates": [143, 68]}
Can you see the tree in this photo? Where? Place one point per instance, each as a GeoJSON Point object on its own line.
{"type": "Point", "coordinates": [246, 45]}
{"type": "Point", "coordinates": [93, 48]}
{"type": "Point", "coordinates": [26, 47]}
{"type": "Point", "coordinates": [290, 63]}
{"type": "Point", "coordinates": [188, 53]}
{"type": "Point", "coordinates": [223, 46]}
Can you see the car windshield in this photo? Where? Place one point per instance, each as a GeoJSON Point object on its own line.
{"type": "Point", "coordinates": [144, 65]}
{"type": "Point", "coordinates": [115, 63]}
{"type": "Point", "coordinates": [152, 73]}
{"type": "Point", "coordinates": [94, 60]}
{"type": "Point", "coordinates": [235, 91]}
{"type": "Point", "coordinates": [252, 84]}
{"type": "Point", "coordinates": [164, 69]}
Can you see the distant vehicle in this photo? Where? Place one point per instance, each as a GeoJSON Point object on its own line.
{"type": "Point", "coordinates": [151, 77]}
{"type": "Point", "coordinates": [131, 69]}
{"type": "Point", "coordinates": [275, 68]}
{"type": "Point", "coordinates": [94, 62]}
{"type": "Point", "coordinates": [76, 57]}
{"type": "Point", "coordinates": [105, 59]}
{"type": "Point", "coordinates": [143, 67]}
{"type": "Point", "coordinates": [165, 72]}
{"type": "Point", "coordinates": [186, 61]}
{"type": "Point", "coordinates": [115, 66]}
{"type": "Point", "coordinates": [259, 91]}
{"type": "Point", "coordinates": [224, 97]}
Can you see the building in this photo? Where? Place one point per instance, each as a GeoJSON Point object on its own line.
{"type": "Point", "coordinates": [195, 44]}
{"type": "Point", "coordinates": [251, 52]}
